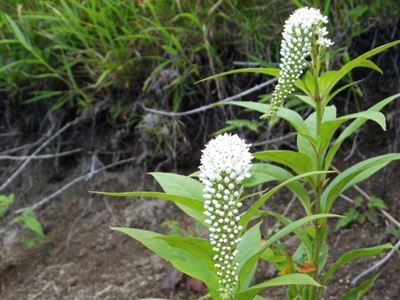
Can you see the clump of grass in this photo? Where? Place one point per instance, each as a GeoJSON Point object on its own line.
{"type": "Point", "coordinates": [70, 55]}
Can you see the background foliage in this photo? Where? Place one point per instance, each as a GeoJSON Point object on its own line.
{"type": "Point", "coordinates": [118, 55]}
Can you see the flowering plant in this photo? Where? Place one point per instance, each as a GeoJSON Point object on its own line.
{"type": "Point", "coordinates": [227, 261]}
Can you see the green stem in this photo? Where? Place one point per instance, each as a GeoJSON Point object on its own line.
{"type": "Point", "coordinates": [319, 225]}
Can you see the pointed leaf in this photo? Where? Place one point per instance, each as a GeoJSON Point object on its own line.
{"type": "Point", "coordinates": [329, 128]}
{"type": "Point", "coordinates": [361, 290]}
{"type": "Point", "coordinates": [353, 175]}
{"type": "Point", "coordinates": [252, 211]}
{"type": "Point", "coordinates": [200, 248]}
{"type": "Point", "coordinates": [300, 232]}
{"type": "Point", "coordinates": [247, 247]}
{"type": "Point", "coordinates": [290, 279]}
{"type": "Point", "coordinates": [292, 117]}
{"type": "Point", "coordinates": [353, 127]}
{"type": "Point", "coordinates": [280, 234]}
{"type": "Point", "coordinates": [193, 207]}
{"type": "Point", "coordinates": [267, 71]}
{"type": "Point", "coordinates": [182, 260]}
{"type": "Point", "coordinates": [179, 185]}
{"type": "Point", "coordinates": [18, 33]}
{"type": "Point", "coordinates": [183, 186]}
{"type": "Point", "coordinates": [299, 162]}
{"type": "Point", "coordinates": [330, 79]}
{"type": "Point", "coordinates": [352, 255]}
{"type": "Point", "coordinates": [262, 173]}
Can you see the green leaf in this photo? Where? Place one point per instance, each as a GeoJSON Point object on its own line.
{"type": "Point", "coordinates": [323, 258]}
{"type": "Point", "coordinates": [353, 127]}
{"type": "Point", "coordinates": [179, 185]}
{"type": "Point", "coordinates": [259, 298]}
{"type": "Point", "coordinates": [329, 128]}
{"type": "Point", "coordinates": [153, 299]}
{"type": "Point", "coordinates": [192, 203]}
{"type": "Point", "coordinates": [375, 116]}
{"type": "Point", "coordinates": [307, 100]}
{"type": "Point", "coordinates": [354, 175]}
{"type": "Point", "coordinates": [102, 77]}
{"type": "Point", "coordinates": [191, 17]}
{"type": "Point", "coordinates": [238, 123]}
{"type": "Point", "coordinates": [293, 226]}
{"type": "Point", "coordinates": [275, 256]}
{"type": "Point", "coordinates": [377, 202]}
{"type": "Point", "coordinates": [280, 234]}
{"type": "Point", "coordinates": [193, 207]}
{"type": "Point", "coordinates": [17, 63]}
{"type": "Point", "coordinates": [33, 224]}
{"type": "Point", "coordinates": [292, 117]}
{"type": "Point", "coordinates": [249, 124]}
{"type": "Point", "coordinates": [298, 162]}
{"type": "Point", "coordinates": [200, 248]}
{"type": "Point", "coordinates": [247, 247]}
{"type": "Point", "coordinates": [300, 232]}
{"type": "Point", "coordinates": [370, 65]}
{"type": "Point", "coordinates": [267, 71]}
{"type": "Point", "coordinates": [5, 203]}
{"type": "Point", "coordinates": [30, 221]}
{"type": "Point", "coordinates": [357, 11]}
{"type": "Point", "coordinates": [262, 173]}
{"type": "Point", "coordinates": [182, 260]}
{"type": "Point", "coordinates": [361, 290]}
{"type": "Point", "coordinates": [339, 90]}
{"type": "Point", "coordinates": [348, 217]}
{"type": "Point", "coordinates": [18, 33]}
{"type": "Point", "coordinates": [252, 211]}
{"type": "Point", "coordinates": [42, 95]}
{"type": "Point", "coordinates": [329, 79]}
{"type": "Point", "coordinates": [289, 279]}
{"type": "Point", "coordinates": [259, 174]}
{"type": "Point", "coordinates": [352, 255]}
{"type": "Point", "coordinates": [308, 146]}
{"type": "Point", "coordinates": [182, 186]}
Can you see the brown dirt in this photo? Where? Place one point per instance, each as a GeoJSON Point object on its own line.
{"type": "Point", "coordinates": [86, 260]}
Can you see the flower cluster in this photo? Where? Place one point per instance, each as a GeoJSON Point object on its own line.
{"type": "Point", "coordinates": [305, 27]}
{"type": "Point", "coordinates": [224, 164]}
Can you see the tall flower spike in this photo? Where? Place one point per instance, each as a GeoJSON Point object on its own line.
{"type": "Point", "coordinates": [224, 164]}
{"type": "Point", "coordinates": [305, 27]}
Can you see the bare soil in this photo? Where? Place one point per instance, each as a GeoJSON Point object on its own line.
{"type": "Point", "coordinates": [87, 260]}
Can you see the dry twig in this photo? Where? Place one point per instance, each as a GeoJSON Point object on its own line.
{"type": "Point", "coordinates": [212, 105]}
{"type": "Point", "coordinates": [45, 156]}
{"type": "Point", "coordinates": [377, 265]}
{"type": "Point", "coordinates": [37, 151]}
{"type": "Point", "coordinates": [275, 140]}
{"type": "Point", "coordinates": [85, 177]}
{"type": "Point", "coordinates": [26, 146]}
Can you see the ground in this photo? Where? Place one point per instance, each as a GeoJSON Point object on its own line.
{"type": "Point", "coordinates": [87, 260]}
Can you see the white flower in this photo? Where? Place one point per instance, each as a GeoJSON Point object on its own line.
{"type": "Point", "coordinates": [225, 158]}
{"type": "Point", "coordinates": [304, 27]}
{"type": "Point", "coordinates": [224, 165]}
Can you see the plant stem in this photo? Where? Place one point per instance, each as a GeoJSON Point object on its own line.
{"type": "Point", "coordinates": [319, 225]}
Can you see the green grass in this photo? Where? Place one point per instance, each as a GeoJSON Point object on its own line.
{"type": "Point", "coordinates": [72, 54]}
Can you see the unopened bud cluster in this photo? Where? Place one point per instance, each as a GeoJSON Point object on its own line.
{"type": "Point", "coordinates": [305, 27]}
{"type": "Point", "coordinates": [224, 164]}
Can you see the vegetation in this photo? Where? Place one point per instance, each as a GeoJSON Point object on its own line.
{"type": "Point", "coordinates": [111, 62]}
{"type": "Point", "coordinates": [227, 262]}
{"type": "Point", "coordinates": [74, 54]}
{"type": "Point", "coordinates": [27, 218]}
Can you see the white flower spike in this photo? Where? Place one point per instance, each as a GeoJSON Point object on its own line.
{"type": "Point", "coordinates": [304, 27]}
{"type": "Point", "coordinates": [225, 162]}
